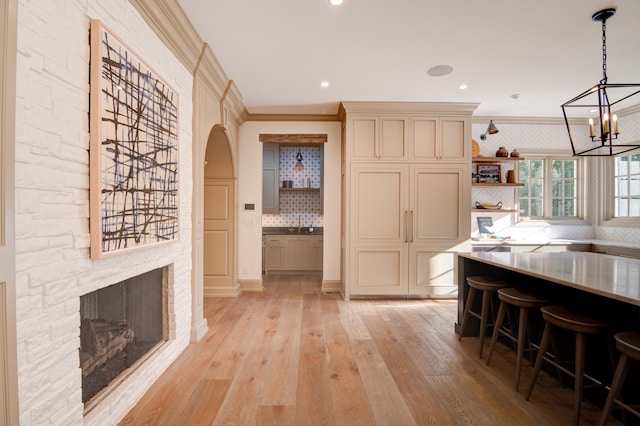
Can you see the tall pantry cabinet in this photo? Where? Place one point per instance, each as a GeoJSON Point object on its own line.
{"type": "Point", "coordinates": [407, 192]}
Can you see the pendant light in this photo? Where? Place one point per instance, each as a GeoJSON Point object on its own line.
{"type": "Point", "coordinates": [299, 167]}
{"type": "Point", "coordinates": [603, 100]}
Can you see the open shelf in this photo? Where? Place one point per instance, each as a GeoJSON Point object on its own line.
{"type": "Point", "coordinates": [494, 159]}
{"type": "Point", "coordinates": [496, 210]}
{"type": "Point", "coordinates": [299, 189]}
{"type": "Point", "coordinates": [495, 184]}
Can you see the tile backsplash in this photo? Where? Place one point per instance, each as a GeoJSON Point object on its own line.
{"type": "Point", "coordinates": [298, 206]}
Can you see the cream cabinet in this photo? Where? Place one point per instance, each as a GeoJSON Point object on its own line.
{"type": "Point", "coordinates": [407, 197]}
{"type": "Point", "coordinates": [407, 218]}
{"type": "Point", "coordinates": [444, 139]}
{"type": "Point", "coordinates": [293, 253]}
{"type": "Point", "coordinates": [379, 137]}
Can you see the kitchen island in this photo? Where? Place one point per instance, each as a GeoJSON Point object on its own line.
{"type": "Point", "coordinates": [602, 284]}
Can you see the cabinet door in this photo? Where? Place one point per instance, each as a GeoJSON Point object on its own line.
{"type": "Point", "coordinates": [379, 217]}
{"type": "Point", "coordinates": [275, 253]}
{"type": "Point", "coordinates": [364, 138]}
{"type": "Point", "coordinates": [455, 139]}
{"type": "Point", "coordinates": [300, 253]}
{"type": "Point", "coordinates": [440, 204]}
{"type": "Point", "coordinates": [379, 203]}
{"type": "Point", "coordinates": [431, 272]}
{"type": "Point", "coordinates": [424, 137]}
{"type": "Point", "coordinates": [378, 138]}
{"type": "Point", "coordinates": [379, 270]}
{"type": "Point", "coordinates": [393, 134]}
{"type": "Point", "coordinates": [317, 253]}
{"type": "Point", "coordinates": [440, 139]}
{"type": "Point", "coordinates": [270, 179]}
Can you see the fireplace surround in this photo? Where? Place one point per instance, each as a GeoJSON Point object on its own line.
{"type": "Point", "coordinates": [120, 326]}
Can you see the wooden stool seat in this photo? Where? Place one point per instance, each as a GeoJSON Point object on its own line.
{"type": "Point", "coordinates": [581, 325]}
{"type": "Point", "coordinates": [628, 343]}
{"type": "Point", "coordinates": [525, 300]}
{"type": "Point", "coordinates": [573, 321]}
{"type": "Point", "coordinates": [485, 283]}
{"type": "Point", "coordinates": [488, 286]}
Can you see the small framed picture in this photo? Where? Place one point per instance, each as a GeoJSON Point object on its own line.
{"type": "Point", "coordinates": [489, 173]}
{"type": "Point", "coordinates": [485, 225]}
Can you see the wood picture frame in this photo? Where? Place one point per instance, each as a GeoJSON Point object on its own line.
{"type": "Point", "coordinates": [133, 153]}
{"type": "Point", "coordinates": [489, 173]}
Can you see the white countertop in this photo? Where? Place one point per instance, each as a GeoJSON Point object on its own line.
{"type": "Point", "coordinates": [554, 242]}
{"type": "Point", "coordinates": [615, 277]}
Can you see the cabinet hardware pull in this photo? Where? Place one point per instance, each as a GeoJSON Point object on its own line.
{"type": "Point", "coordinates": [412, 225]}
{"type": "Point", "coordinates": [406, 224]}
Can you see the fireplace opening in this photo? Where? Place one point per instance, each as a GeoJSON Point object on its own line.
{"type": "Point", "coordinates": [119, 325]}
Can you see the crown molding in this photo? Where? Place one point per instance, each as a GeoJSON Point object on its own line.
{"type": "Point", "coordinates": [293, 117]}
{"type": "Point", "coordinates": [167, 19]}
{"type": "Point", "coordinates": [451, 108]}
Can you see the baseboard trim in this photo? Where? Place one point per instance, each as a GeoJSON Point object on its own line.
{"type": "Point", "coordinates": [199, 330]}
{"type": "Point", "coordinates": [222, 292]}
{"type": "Point", "coordinates": [331, 286]}
{"type": "Point", "coordinates": [251, 285]}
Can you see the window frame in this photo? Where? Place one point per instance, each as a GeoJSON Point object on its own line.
{"type": "Point", "coordinates": [583, 197]}
{"type": "Point", "coordinates": [607, 195]}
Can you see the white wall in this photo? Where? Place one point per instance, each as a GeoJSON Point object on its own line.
{"type": "Point", "coordinates": [531, 136]}
{"type": "Point", "coordinates": [250, 181]}
{"type": "Point", "coordinates": [53, 268]}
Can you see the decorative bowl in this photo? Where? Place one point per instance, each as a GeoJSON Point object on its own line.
{"type": "Point", "coordinates": [489, 206]}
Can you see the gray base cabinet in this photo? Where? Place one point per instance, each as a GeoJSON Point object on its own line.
{"type": "Point", "coordinates": [293, 253]}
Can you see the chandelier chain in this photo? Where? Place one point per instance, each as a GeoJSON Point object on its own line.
{"type": "Point", "coordinates": [604, 51]}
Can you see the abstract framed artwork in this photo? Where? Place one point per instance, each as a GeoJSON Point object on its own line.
{"type": "Point", "coordinates": [133, 150]}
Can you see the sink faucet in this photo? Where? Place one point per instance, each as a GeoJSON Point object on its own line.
{"type": "Point", "coordinates": [298, 224]}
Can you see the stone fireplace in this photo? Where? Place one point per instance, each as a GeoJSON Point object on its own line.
{"type": "Point", "coordinates": [121, 325]}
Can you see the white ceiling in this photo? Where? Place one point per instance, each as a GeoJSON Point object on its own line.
{"type": "Point", "coordinates": [547, 51]}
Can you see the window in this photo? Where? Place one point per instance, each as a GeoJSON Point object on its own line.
{"type": "Point", "coordinates": [551, 188]}
{"type": "Point", "coordinates": [627, 186]}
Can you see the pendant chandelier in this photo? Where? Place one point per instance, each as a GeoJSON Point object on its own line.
{"type": "Point", "coordinates": [602, 100]}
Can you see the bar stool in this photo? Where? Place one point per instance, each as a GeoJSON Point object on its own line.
{"type": "Point", "coordinates": [525, 300]}
{"type": "Point", "coordinates": [581, 326]}
{"type": "Point", "coordinates": [628, 344]}
{"type": "Point", "coordinates": [488, 286]}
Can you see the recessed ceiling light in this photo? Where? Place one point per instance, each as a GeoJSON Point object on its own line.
{"type": "Point", "coordinates": [463, 86]}
{"type": "Point", "coordinates": [440, 70]}
{"type": "Point", "coordinates": [335, 2]}
{"type": "Point", "coordinates": [324, 84]}
{"type": "Point", "coordinates": [515, 95]}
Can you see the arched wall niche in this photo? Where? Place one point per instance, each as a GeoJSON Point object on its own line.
{"type": "Point", "coordinates": [218, 155]}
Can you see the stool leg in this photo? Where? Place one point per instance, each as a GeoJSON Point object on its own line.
{"type": "Point", "coordinates": [581, 346]}
{"type": "Point", "coordinates": [544, 345]}
{"type": "Point", "coordinates": [496, 327]}
{"type": "Point", "coordinates": [467, 308]}
{"type": "Point", "coordinates": [522, 331]}
{"type": "Point", "coordinates": [616, 387]}
{"type": "Point", "coordinates": [486, 300]}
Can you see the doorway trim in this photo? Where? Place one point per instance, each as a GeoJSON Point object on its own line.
{"type": "Point", "coordinates": [8, 341]}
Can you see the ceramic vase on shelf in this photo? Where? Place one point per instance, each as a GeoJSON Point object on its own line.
{"type": "Point", "coordinates": [502, 152]}
{"type": "Point", "coordinates": [515, 153]}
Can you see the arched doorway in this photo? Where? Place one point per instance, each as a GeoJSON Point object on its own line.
{"type": "Point", "coordinates": [219, 217]}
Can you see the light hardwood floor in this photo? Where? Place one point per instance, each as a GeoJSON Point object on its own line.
{"type": "Point", "coordinates": [292, 355]}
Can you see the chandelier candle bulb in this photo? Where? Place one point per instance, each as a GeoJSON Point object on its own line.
{"type": "Point", "coordinates": [591, 130]}
{"type": "Point", "coordinates": [605, 123]}
{"type": "Point", "coordinates": [614, 118]}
